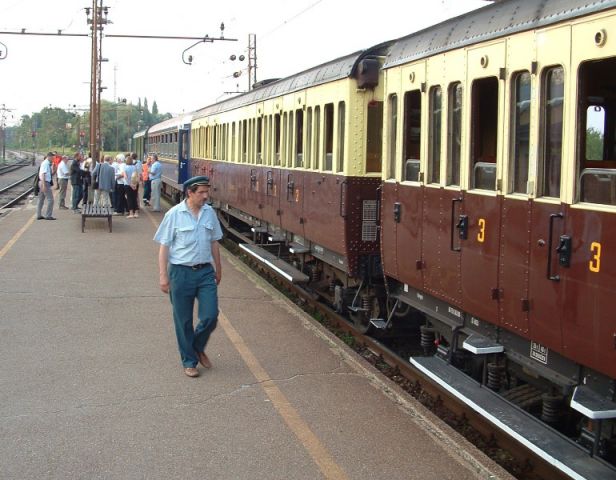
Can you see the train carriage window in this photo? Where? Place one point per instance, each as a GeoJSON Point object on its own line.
{"type": "Point", "coordinates": [244, 142]}
{"type": "Point", "coordinates": [277, 139]}
{"type": "Point", "coordinates": [520, 133]}
{"type": "Point", "coordinates": [392, 137]}
{"type": "Point", "coordinates": [233, 142]}
{"type": "Point", "coordinates": [328, 143]}
{"type": "Point", "coordinates": [412, 136]}
{"type": "Point", "coordinates": [317, 137]}
{"type": "Point", "coordinates": [434, 152]}
{"type": "Point", "coordinates": [299, 138]}
{"type": "Point", "coordinates": [484, 114]}
{"type": "Point", "coordinates": [454, 139]}
{"type": "Point", "coordinates": [342, 135]}
{"type": "Point", "coordinates": [259, 141]}
{"type": "Point", "coordinates": [266, 129]}
{"type": "Point", "coordinates": [215, 143]}
{"type": "Point", "coordinates": [308, 156]}
{"type": "Point", "coordinates": [374, 137]}
{"type": "Point", "coordinates": [290, 138]}
{"type": "Point", "coordinates": [283, 161]}
{"type": "Point", "coordinates": [596, 137]}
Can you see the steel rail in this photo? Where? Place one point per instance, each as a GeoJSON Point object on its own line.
{"type": "Point", "coordinates": [21, 195]}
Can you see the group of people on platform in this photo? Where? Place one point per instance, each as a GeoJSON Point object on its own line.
{"type": "Point", "coordinates": [111, 182]}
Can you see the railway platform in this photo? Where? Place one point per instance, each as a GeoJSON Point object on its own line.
{"type": "Point", "coordinates": [91, 386]}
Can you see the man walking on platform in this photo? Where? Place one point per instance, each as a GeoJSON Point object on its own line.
{"type": "Point", "coordinates": [63, 177]}
{"type": "Point", "coordinates": [155, 173]}
{"type": "Point", "coordinates": [45, 191]}
{"type": "Point", "coordinates": [189, 266]}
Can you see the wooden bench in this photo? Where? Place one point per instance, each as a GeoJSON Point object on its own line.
{"type": "Point", "coordinates": [95, 212]}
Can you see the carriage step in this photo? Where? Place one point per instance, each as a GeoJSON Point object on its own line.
{"type": "Point", "coordinates": [591, 405]}
{"type": "Point", "coordinates": [288, 271]}
{"type": "Point", "coordinates": [295, 247]}
{"type": "Point", "coordinates": [560, 452]}
{"type": "Point", "coordinates": [378, 323]}
{"type": "Point", "coordinates": [480, 345]}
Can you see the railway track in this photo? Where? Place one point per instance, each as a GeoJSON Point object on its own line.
{"type": "Point", "coordinates": [15, 166]}
{"type": "Point", "coordinates": [392, 360]}
{"type": "Point", "coordinates": [16, 192]}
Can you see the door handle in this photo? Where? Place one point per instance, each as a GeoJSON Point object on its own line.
{"type": "Point", "coordinates": [457, 225]}
{"type": "Point", "coordinates": [550, 276]}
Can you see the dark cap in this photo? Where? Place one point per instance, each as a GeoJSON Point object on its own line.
{"type": "Point", "coordinates": [200, 180]}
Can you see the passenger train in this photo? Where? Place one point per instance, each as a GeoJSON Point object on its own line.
{"type": "Point", "coordinates": [460, 181]}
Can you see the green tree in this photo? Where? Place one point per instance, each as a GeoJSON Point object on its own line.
{"type": "Point", "coordinates": [594, 144]}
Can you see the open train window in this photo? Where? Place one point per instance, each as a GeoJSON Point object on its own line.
{"type": "Point", "coordinates": [454, 138]}
{"type": "Point", "coordinates": [392, 135]}
{"type": "Point", "coordinates": [259, 141]}
{"type": "Point", "coordinates": [484, 133]}
{"type": "Point", "coordinates": [233, 138]}
{"type": "Point", "coordinates": [434, 151]}
{"type": "Point", "coordinates": [244, 141]}
{"type": "Point", "coordinates": [374, 140]}
{"type": "Point", "coordinates": [283, 160]}
{"type": "Point", "coordinates": [289, 160]}
{"type": "Point", "coordinates": [520, 132]}
{"type": "Point", "coordinates": [412, 136]}
{"type": "Point", "coordinates": [277, 139]}
{"type": "Point", "coordinates": [308, 138]}
{"type": "Point", "coordinates": [299, 138]}
{"type": "Point", "coordinates": [596, 137]}
{"type": "Point", "coordinates": [328, 112]}
{"type": "Point", "coordinates": [317, 137]}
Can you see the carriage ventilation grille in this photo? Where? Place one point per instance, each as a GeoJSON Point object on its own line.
{"type": "Point", "coordinates": [368, 226]}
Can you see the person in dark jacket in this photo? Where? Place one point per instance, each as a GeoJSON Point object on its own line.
{"type": "Point", "coordinates": [76, 182]}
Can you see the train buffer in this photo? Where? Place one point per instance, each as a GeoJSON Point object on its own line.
{"type": "Point", "coordinates": [289, 272]}
{"type": "Point", "coordinates": [95, 212]}
{"type": "Point", "coordinates": [560, 452]}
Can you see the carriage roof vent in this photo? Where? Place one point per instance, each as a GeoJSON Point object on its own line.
{"type": "Point", "coordinates": [262, 83]}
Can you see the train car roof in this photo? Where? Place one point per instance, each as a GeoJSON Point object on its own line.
{"type": "Point", "coordinates": [487, 23]}
{"type": "Point", "coordinates": [172, 123]}
{"type": "Point", "coordinates": [333, 70]}
{"type": "Point", "coordinates": [140, 133]}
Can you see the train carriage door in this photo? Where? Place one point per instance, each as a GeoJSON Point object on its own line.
{"type": "Point", "coordinates": [406, 210]}
{"type": "Point", "coordinates": [440, 261]}
{"type": "Point", "coordinates": [545, 298]}
{"type": "Point", "coordinates": [184, 154]}
{"type": "Point", "coordinates": [292, 181]}
{"type": "Point", "coordinates": [586, 259]}
{"type": "Point", "coordinates": [389, 188]}
{"type": "Point", "coordinates": [478, 227]}
{"type": "Point", "coordinates": [520, 142]}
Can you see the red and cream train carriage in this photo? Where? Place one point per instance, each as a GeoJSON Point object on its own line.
{"type": "Point", "coordinates": [299, 161]}
{"type": "Point", "coordinates": [499, 196]}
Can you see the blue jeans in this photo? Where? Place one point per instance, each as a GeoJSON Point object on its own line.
{"type": "Point", "coordinates": [186, 285]}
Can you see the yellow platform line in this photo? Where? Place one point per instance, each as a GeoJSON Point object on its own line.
{"type": "Point", "coordinates": [16, 237]}
{"type": "Point", "coordinates": [294, 421]}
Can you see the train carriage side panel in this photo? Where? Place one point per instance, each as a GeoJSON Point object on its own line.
{"type": "Point", "coordinates": [589, 281]}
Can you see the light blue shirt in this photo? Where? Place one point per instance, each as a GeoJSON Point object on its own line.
{"type": "Point", "coordinates": [156, 171]}
{"type": "Point", "coordinates": [189, 239]}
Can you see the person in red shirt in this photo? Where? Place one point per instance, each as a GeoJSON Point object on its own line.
{"type": "Point", "coordinates": [54, 169]}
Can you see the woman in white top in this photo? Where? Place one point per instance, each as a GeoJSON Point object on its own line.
{"type": "Point", "coordinates": [129, 174]}
{"type": "Point", "coordinates": [120, 198]}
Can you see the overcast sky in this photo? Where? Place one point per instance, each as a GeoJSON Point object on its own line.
{"type": "Point", "coordinates": [291, 36]}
